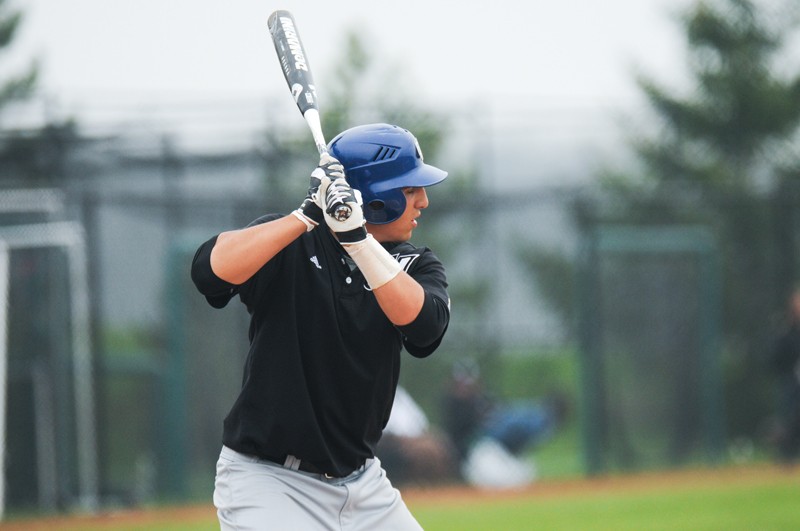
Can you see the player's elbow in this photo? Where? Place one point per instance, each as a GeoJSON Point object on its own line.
{"type": "Point", "coordinates": [429, 325]}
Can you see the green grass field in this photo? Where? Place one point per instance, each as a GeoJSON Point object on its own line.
{"type": "Point", "coordinates": [755, 504]}
{"type": "Point", "coordinates": [761, 498]}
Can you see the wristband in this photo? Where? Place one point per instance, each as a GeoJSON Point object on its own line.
{"type": "Point", "coordinates": [311, 211]}
{"type": "Point", "coordinates": [350, 237]}
{"type": "Point", "coordinates": [375, 262]}
{"type": "Point", "coordinates": [309, 223]}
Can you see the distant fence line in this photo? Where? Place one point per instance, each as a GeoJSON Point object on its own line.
{"type": "Point", "coordinates": [143, 216]}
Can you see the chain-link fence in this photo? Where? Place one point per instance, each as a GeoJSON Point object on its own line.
{"type": "Point", "coordinates": [669, 320]}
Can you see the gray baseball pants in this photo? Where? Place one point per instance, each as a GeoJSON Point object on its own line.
{"type": "Point", "coordinates": [252, 494]}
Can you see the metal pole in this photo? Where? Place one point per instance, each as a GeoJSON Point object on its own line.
{"type": "Point", "coordinates": [4, 273]}
{"type": "Point", "coordinates": [83, 377]}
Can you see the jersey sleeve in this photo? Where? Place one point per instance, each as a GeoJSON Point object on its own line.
{"type": "Point", "coordinates": [422, 336]}
{"type": "Point", "coordinates": [216, 291]}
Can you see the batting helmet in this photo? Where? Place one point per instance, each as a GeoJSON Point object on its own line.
{"type": "Point", "coordinates": [380, 160]}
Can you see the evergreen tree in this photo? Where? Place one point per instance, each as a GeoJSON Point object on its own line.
{"type": "Point", "coordinates": [21, 85]}
{"type": "Point", "coordinates": [720, 159]}
{"type": "Point", "coordinates": [735, 127]}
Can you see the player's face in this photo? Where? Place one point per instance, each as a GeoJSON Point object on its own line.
{"type": "Point", "coordinates": [400, 230]}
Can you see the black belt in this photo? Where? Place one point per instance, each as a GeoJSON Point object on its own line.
{"type": "Point", "coordinates": [294, 463]}
{"type": "Point", "coordinates": [305, 466]}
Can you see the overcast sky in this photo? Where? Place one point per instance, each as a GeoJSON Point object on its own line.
{"type": "Point", "coordinates": [540, 78]}
{"type": "Point", "coordinates": [550, 51]}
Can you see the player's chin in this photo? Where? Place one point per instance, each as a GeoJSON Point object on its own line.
{"type": "Point", "coordinates": [398, 231]}
{"type": "Point", "coordinates": [401, 236]}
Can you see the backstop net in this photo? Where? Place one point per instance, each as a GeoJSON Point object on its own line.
{"type": "Point", "coordinates": [649, 326]}
{"type": "Point", "coordinates": [48, 445]}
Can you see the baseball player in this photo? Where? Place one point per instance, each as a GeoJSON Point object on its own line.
{"type": "Point", "coordinates": [331, 304]}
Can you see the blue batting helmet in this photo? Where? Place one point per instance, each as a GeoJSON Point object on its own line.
{"type": "Point", "coordinates": [380, 160]}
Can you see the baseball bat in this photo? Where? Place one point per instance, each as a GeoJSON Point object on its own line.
{"type": "Point", "coordinates": [296, 71]}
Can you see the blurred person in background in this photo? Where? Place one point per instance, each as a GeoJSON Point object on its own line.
{"type": "Point", "coordinates": [786, 364]}
{"type": "Point", "coordinates": [491, 437]}
{"type": "Point", "coordinates": [412, 450]}
{"type": "Point", "coordinates": [465, 406]}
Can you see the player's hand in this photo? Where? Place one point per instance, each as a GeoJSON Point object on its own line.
{"type": "Point", "coordinates": [309, 211]}
{"type": "Point", "coordinates": [329, 167]}
{"type": "Point", "coordinates": [331, 195]}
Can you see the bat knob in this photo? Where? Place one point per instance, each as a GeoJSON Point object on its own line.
{"type": "Point", "coordinates": [342, 212]}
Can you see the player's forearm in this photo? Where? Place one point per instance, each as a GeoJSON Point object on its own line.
{"type": "Point", "coordinates": [399, 296]}
{"type": "Point", "coordinates": [239, 254]}
{"type": "Point", "coordinates": [400, 299]}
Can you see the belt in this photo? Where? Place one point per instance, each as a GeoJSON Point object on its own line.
{"type": "Point", "coordinates": [294, 463]}
{"type": "Point", "coordinates": [303, 466]}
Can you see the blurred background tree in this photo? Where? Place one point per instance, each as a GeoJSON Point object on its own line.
{"type": "Point", "coordinates": [36, 156]}
{"type": "Point", "coordinates": [20, 86]}
{"type": "Point", "coordinates": [722, 155]}
{"type": "Point", "coordinates": [737, 126]}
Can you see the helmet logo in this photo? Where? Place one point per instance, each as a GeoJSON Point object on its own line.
{"type": "Point", "coordinates": [419, 149]}
{"type": "Point", "coordinates": [384, 153]}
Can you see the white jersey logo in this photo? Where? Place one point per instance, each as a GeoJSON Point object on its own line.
{"type": "Point", "coordinates": [315, 261]}
{"type": "Point", "coordinates": [405, 261]}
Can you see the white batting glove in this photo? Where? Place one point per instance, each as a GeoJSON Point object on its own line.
{"type": "Point", "coordinates": [328, 166]}
{"type": "Point", "coordinates": [333, 194]}
{"type": "Point", "coordinates": [375, 263]}
{"type": "Point", "coordinates": [309, 212]}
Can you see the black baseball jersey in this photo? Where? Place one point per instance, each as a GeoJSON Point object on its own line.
{"type": "Point", "coordinates": [324, 360]}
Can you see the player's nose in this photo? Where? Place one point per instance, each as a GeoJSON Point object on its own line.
{"type": "Point", "coordinates": [422, 199]}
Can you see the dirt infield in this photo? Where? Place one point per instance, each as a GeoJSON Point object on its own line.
{"type": "Point", "coordinates": [455, 495]}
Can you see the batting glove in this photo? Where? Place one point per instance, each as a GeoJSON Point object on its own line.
{"type": "Point", "coordinates": [309, 211]}
{"type": "Point", "coordinates": [331, 195]}
{"type": "Point", "coordinates": [375, 263]}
